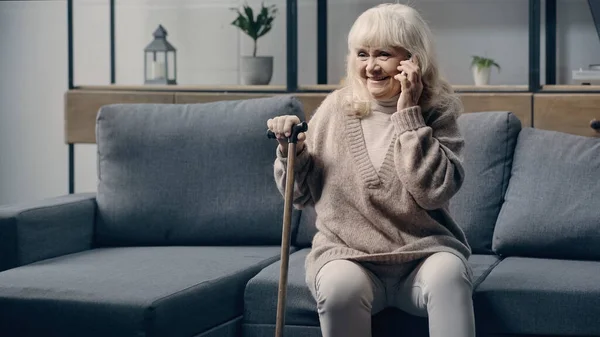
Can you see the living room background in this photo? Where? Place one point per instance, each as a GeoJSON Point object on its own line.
{"type": "Point", "coordinates": [33, 61]}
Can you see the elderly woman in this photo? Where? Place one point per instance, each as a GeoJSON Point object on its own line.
{"type": "Point", "coordinates": [379, 163]}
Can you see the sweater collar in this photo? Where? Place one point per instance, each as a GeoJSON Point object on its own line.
{"type": "Point", "coordinates": [387, 106]}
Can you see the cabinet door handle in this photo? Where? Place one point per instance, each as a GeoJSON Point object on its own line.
{"type": "Point", "coordinates": [595, 124]}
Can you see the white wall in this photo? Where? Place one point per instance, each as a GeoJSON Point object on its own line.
{"type": "Point", "coordinates": [33, 61]}
{"type": "Point", "coordinates": [33, 78]}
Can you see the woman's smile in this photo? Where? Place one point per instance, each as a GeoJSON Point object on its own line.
{"type": "Point", "coordinates": [378, 79]}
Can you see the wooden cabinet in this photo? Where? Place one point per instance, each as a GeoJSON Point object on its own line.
{"type": "Point", "coordinates": [82, 105]}
{"type": "Point", "coordinates": [81, 109]}
{"type": "Point", "coordinates": [565, 112]}
{"type": "Point", "coordinates": [517, 103]}
{"type": "Point", "coordinates": [570, 113]}
{"type": "Point", "coordinates": [310, 101]}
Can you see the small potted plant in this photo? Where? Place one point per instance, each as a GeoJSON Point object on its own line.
{"type": "Point", "coordinates": [256, 70]}
{"type": "Point", "coordinates": [481, 67]}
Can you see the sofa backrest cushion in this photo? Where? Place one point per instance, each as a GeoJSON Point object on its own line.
{"type": "Point", "coordinates": [552, 205]}
{"type": "Point", "coordinates": [198, 174]}
{"type": "Point", "coordinates": [490, 139]}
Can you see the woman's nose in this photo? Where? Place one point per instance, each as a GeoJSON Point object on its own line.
{"type": "Point", "coordinates": [372, 65]}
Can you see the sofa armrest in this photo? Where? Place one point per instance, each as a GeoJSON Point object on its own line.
{"type": "Point", "coordinates": [51, 227]}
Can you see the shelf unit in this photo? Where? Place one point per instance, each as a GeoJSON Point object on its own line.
{"type": "Point", "coordinates": [292, 50]}
{"type": "Point", "coordinates": [82, 101]}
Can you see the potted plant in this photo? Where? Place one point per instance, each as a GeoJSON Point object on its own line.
{"type": "Point", "coordinates": [256, 70]}
{"type": "Point", "coordinates": [481, 67]}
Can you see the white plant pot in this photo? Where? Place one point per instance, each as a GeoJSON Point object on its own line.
{"type": "Point", "coordinates": [481, 76]}
{"type": "Point", "coordinates": [256, 70]}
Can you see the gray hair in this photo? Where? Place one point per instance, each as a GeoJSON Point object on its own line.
{"type": "Point", "coordinates": [397, 26]}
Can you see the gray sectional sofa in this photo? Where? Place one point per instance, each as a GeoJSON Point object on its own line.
{"type": "Point", "coordinates": [182, 236]}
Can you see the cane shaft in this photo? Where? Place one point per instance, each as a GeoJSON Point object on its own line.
{"type": "Point", "coordinates": [285, 240]}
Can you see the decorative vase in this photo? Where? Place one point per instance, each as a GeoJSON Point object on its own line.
{"type": "Point", "coordinates": [481, 76]}
{"type": "Point", "coordinates": [256, 70]}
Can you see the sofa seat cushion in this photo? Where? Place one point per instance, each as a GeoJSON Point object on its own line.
{"type": "Point", "coordinates": [540, 297]}
{"type": "Point", "coordinates": [260, 307]}
{"type": "Point", "coordinates": [142, 291]}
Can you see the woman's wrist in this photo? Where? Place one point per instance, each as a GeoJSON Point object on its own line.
{"type": "Point", "coordinates": [405, 106]}
{"type": "Point", "coordinates": [284, 149]}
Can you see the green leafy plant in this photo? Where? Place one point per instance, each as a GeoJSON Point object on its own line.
{"type": "Point", "coordinates": [255, 27]}
{"type": "Point", "coordinates": [484, 63]}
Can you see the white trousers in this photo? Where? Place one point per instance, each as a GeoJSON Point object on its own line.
{"type": "Point", "coordinates": [439, 287]}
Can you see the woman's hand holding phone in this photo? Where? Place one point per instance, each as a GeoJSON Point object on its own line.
{"type": "Point", "coordinates": [411, 83]}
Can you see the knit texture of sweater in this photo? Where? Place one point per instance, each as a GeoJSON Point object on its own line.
{"type": "Point", "coordinates": [393, 215]}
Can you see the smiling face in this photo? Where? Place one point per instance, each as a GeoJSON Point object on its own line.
{"type": "Point", "coordinates": [377, 68]}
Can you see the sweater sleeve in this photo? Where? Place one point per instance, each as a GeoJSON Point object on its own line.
{"type": "Point", "coordinates": [307, 174]}
{"type": "Point", "coordinates": [428, 158]}
{"type": "Point", "coordinates": [302, 168]}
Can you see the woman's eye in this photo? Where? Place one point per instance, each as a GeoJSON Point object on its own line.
{"type": "Point", "coordinates": [362, 54]}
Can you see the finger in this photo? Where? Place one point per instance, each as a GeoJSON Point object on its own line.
{"type": "Point", "coordinates": [413, 76]}
{"type": "Point", "coordinates": [413, 71]}
{"type": "Point", "coordinates": [416, 67]}
{"type": "Point", "coordinates": [407, 69]}
{"type": "Point", "coordinates": [287, 127]}
{"type": "Point", "coordinates": [406, 75]}
{"type": "Point", "coordinates": [301, 137]}
{"type": "Point", "coordinates": [403, 81]}
{"type": "Point", "coordinates": [400, 77]}
{"type": "Point", "coordinates": [280, 125]}
{"type": "Point", "coordinates": [409, 66]}
{"type": "Point", "coordinates": [269, 124]}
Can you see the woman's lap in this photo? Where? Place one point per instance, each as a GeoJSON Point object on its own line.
{"type": "Point", "coordinates": [403, 287]}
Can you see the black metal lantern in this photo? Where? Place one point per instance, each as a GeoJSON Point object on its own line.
{"type": "Point", "coordinates": [160, 60]}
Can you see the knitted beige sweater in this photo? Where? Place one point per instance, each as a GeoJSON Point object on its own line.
{"type": "Point", "coordinates": [389, 216]}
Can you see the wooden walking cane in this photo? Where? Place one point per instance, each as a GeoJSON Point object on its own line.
{"type": "Point", "coordinates": [287, 224]}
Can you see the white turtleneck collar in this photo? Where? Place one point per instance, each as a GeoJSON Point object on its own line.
{"type": "Point", "coordinates": [387, 106]}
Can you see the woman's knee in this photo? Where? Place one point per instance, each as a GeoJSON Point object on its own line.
{"type": "Point", "coordinates": [445, 272]}
{"type": "Point", "coordinates": [342, 285]}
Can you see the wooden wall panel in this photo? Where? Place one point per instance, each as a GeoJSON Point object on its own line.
{"type": "Point", "coordinates": [569, 113]}
{"type": "Point", "coordinates": [81, 109]}
{"type": "Point", "coordinates": [517, 103]}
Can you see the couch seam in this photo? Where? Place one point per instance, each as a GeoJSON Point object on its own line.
{"type": "Point", "coordinates": [153, 304]}
{"type": "Point", "coordinates": [214, 328]}
{"type": "Point", "coordinates": [485, 274]}
{"type": "Point", "coordinates": [98, 164]}
{"type": "Point", "coordinates": [504, 181]}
